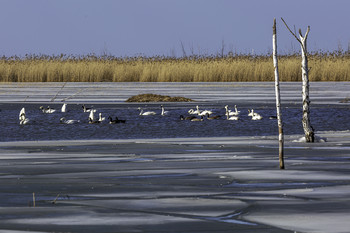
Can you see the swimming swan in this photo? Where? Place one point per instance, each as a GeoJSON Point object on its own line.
{"type": "Point", "coordinates": [22, 114]}
{"type": "Point", "coordinates": [64, 107]}
{"type": "Point", "coordinates": [255, 116]}
{"type": "Point", "coordinates": [232, 113]}
{"type": "Point", "coordinates": [100, 118]}
{"type": "Point", "coordinates": [197, 111]}
{"type": "Point", "coordinates": [231, 118]}
{"type": "Point", "coordinates": [47, 110]}
{"type": "Point", "coordinates": [163, 111]}
{"type": "Point", "coordinates": [22, 117]}
{"type": "Point", "coordinates": [91, 115]}
{"type": "Point", "coordinates": [91, 121]}
{"type": "Point", "coordinates": [69, 122]}
{"type": "Point", "coordinates": [85, 109]}
{"type": "Point", "coordinates": [142, 113]}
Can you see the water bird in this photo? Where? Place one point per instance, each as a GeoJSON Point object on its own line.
{"type": "Point", "coordinates": [47, 110]}
{"type": "Point", "coordinates": [85, 109]}
{"type": "Point", "coordinates": [22, 114]}
{"type": "Point", "coordinates": [23, 120]}
{"type": "Point", "coordinates": [91, 115]}
{"type": "Point", "coordinates": [212, 117]}
{"type": "Point", "coordinates": [187, 117]}
{"type": "Point", "coordinates": [91, 121]}
{"type": "Point", "coordinates": [197, 111]}
{"type": "Point", "coordinates": [142, 113]}
{"type": "Point", "coordinates": [116, 121]}
{"type": "Point", "coordinates": [69, 122]}
{"type": "Point", "coordinates": [197, 119]}
{"type": "Point", "coordinates": [255, 116]}
{"type": "Point", "coordinates": [163, 113]}
{"type": "Point", "coordinates": [231, 118]}
{"type": "Point", "coordinates": [100, 118]}
{"type": "Point", "coordinates": [232, 113]}
{"type": "Point", "coordinates": [64, 107]}
{"type": "Point", "coordinates": [205, 112]}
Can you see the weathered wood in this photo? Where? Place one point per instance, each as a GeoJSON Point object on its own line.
{"type": "Point", "coordinates": [308, 129]}
{"type": "Point", "coordinates": [278, 98]}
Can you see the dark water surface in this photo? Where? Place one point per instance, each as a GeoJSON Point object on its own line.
{"type": "Point", "coordinates": [48, 127]}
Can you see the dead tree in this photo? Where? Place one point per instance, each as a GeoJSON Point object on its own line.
{"type": "Point", "coordinates": [278, 99]}
{"type": "Point", "coordinates": [308, 130]}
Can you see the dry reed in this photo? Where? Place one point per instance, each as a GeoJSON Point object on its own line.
{"type": "Point", "coordinates": [239, 68]}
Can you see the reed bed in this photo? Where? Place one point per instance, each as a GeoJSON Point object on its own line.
{"type": "Point", "coordinates": [238, 68]}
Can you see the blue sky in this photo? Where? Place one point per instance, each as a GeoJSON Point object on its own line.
{"type": "Point", "coordinates": [159, 27]}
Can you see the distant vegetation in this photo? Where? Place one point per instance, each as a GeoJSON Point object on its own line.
{"type": "Point", "coordinates": [235, 68]}
{"type": "Point", "coordinates": [157, 98]}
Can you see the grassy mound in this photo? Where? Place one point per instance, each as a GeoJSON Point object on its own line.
{"type": "Point", "coordinates": [157, 98]}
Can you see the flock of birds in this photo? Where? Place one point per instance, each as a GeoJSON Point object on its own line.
{"type": "Point", "coordinates": [23, 120]}
{"type": "Point", "coordinates": [194, 115]}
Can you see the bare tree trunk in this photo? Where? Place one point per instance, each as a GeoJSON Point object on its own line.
{"type": "Point", "coordinates": [278, 99]}
{"type": "Point", "coordinates": [308, 130]}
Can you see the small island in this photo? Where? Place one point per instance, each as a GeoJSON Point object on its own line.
{"type": "Point", "coordinates": [157, 98]}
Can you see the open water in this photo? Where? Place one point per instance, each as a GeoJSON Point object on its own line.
{"type": "Point", "coordinates": [48, 127]}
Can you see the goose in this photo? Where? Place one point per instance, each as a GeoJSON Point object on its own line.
{"type": "Point", "coordinates": [142, 113]}
{"type": "Point", "coordinates": [197, 119]}
{"type": "Point", "coordinates": [91, 121]}
{"type": "Point", "coordinates": [186, 118]}
{"type": "Point", "coordinates": [85, 109]}
{"type": "Point", "coordinates": [22, 114]}
{"type": "Point", "coordinates": [116, 121]}
{"type": "Point", "coordinates": [47, 110]}
{"type": "Point", "coordinates": [163, 111]}
{"type": "Point", "coordinates": [69, 122]}
{"type": "Point", "coordinates": [100, 118]}
{"type": "Point", "coordinates": [64, 107]}
{"type": "Point", "coordinates": [212, 117]}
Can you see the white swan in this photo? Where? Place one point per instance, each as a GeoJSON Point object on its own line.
{"type": "Point", "coordinates": [232, 113]}
{"type": "Point", "coordinates": [231, 118]}
{"type": "Point", "coordinates": [91, 121]}
{"type": "Point", "coordinates": [22, 117]}
{"type": "Point", "coordinates": [47, 110]}
{"type": "Point", "coordinates": [22, 114]}
{"type": "Point", "coordinates": [205, 112]}
{"type": "Point", "coordinates": [100, 118]}
{"type": "Point", "coordinates": [24, 121]}
{"type": "Point", "coordinates": [64, 107]}
{"type": "Point", "coordinates": [142, 113]}
{"type": "Point", "coordinates": [255, 116]}
{"type": "Point", "coordinates": [91, 115]}
{"type": "Point", "coordinates": [197, 111]}
{"type": "Point", "coordinates": [85, 109]}
{"type": "Point", "coordinates": [163, 113]}
{"type": "Point", "coordinates": [64, 121]}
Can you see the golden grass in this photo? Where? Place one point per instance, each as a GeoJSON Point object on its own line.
{"type": "Point", "coordinates": [240, 68]}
